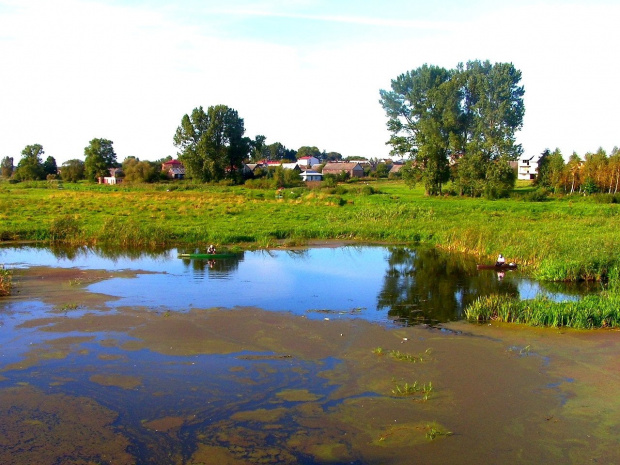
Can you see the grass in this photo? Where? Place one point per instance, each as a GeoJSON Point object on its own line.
{"type": "Point", "coordinates": [401, 356]}
{"type": "Point", "coordinates": [562, 238]}
{"type": "Point", "coordinates": [593, 311]}
{"type": "Point", "coordinates": [404, 390]}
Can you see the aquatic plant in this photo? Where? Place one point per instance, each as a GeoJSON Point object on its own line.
{"type": "Point", "coordinates": [433, 432]}
{"type": "Point", "coordinates": [402, 390]}
{"type": "Point", "coordinates": [593, 311]}
{"type": "Point", "coordinates": [6, 281]}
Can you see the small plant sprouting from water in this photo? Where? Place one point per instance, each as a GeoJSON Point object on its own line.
{"type": "Point", "coordinates": [403, 390]}
{"type": "Point", "coordinates": [6, 281]}
{"type": "Point", "coordinates": [402, 356]}
{"type": "Point", "coordinates": [433, 432]}
{"type": "Point", "coordinates": [67, 307]}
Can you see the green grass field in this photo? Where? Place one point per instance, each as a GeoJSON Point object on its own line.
{"type": "Point", "coordinates": [566, 238]}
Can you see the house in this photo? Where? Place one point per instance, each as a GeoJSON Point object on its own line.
{"type": "Point", "coordinates": [527, 167]}
{"type": "Point", "coordinates": [174, 169]}
{"type": "Point", "coordinates": [308, 161]}
{"type": "Point", "coordinates": [116, 177]}
{"type": "Point", "coordinates": [395, 170]}
{"type": "Point", "coordinates": [310, 175]}
{"type": "Point", "coordinates": [291, 166]}
{"type": "Point", "coordinates": [354, 170]}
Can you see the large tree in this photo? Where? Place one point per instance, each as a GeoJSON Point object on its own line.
{"type": "Point", "coordinates": [99, 158]}
{"type": "Point", "coordinates": [140, 171]}
{"type": "Point", "coordinates": [49, 166]}
{"type": "Point", "coordinates": [469, 114]}
{"type": "Point", "coordinates": [30, 166]}
{"type": "Point", "coordinates": [211, 143]}
{"type": "Point", "coordinates": [422, 108]}
{"type": "Point", "coordinates": [6, 167]}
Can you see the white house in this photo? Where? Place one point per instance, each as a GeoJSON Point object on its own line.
{"type": "Point", "coordinates": [308, 161]}
{"type": "Point", "coordinates": [310, 175]}
{"type": "Point", "coordinates": [527, 167]}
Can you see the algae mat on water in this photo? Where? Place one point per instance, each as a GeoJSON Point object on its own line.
{"type": "Point", "coordinates": [245, 385]}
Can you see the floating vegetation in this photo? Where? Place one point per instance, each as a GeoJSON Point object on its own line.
{"type": "Point", "coordinates": [433, 432]}
{"type": "Point", "coordinates": [398, 355]}
{"type": "Point", "coordinates": [593, 311]}
{"type": "Point", "coordinates": [404, 390]}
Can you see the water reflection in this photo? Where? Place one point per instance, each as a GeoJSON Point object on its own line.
{"type": "Point", "coordinates": [426, 286]}
{"type": "Point", "coordinates": [406, 285]}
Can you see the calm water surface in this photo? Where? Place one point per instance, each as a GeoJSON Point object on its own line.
{"type": "Point", "coordinates": [137, 373]}
{"type": "Point", "coordinates": [380, 284]}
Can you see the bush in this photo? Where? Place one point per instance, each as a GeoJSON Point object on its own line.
{"type": "Point", "coordinates": [538, 195]}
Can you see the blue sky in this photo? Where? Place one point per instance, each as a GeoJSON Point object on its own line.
{"type": "Point", "coordinates": [302, 72]}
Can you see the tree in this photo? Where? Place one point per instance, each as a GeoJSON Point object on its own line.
{"type": "Point", "coordinates": [6, 167]}
{"type": "Point", "coordinates": [212, 143]}
{"type": "Point", "coordinates": [307, 151]}
{"type": "Point", "coordinates": [422, 108]}
{"type": "Point", "coordinates": [30, 166]}
{"type": "Point", "coordinates": [258, 149]}
{"type": "Point", "coordinates": [50, 167]}
{"type": "Point", "coordinates": [72, 170]}
{"type": "Point", "coordinates": [574, 167]}
{"type": "Point", "coordinates": [140, 171]}
{"type": "Point", "coordinates": [435, 114]}
{"type": "Point", "coordinates": [551, 170]}
{"type": "Point", "coordinates": [99, 158]}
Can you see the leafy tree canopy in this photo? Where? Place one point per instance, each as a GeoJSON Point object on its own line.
{"type": "Point", "coordinates": [6, 167]}
{"type": "Point", "coordinates": [99, 158]}
{"type": "Point", "coordinates": [307, 151]}
{"type": "Point", "coordinates": [72, 170]}
{"type": "Point", "coordinates": [211, 143]}
{"type": "Point", "coordinates": [30, 166]}
{"type": "Point", "coordinates": [470, 113]}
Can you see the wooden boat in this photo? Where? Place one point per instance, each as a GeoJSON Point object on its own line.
{"type": "Point", "coordinates": [505, 266]}
{"type": "Point", "coordinates": [207, 256]}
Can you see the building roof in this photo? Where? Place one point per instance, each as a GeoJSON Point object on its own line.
{"type": "Point", "coordinates": [341, 166]}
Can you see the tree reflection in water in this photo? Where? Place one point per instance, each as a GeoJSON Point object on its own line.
{"type": "Point", "coordinates": [427, 286]}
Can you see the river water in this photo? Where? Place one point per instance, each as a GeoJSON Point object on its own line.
{"type": "Point", "coordinates": [290, 356]}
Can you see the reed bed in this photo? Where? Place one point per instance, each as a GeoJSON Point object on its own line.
{"type": "Point", "coordinates": [594, 311]}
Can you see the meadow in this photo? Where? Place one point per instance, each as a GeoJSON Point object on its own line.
{"type": "Point", "coordinates": [564, 238]}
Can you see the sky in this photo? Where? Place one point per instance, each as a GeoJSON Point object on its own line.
{"type": "Point", "coordinates": [300, 72]}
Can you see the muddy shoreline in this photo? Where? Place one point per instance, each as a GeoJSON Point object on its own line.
{"type": "Point", "coordinates": [246, 385]}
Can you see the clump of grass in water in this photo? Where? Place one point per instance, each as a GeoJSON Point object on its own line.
{"type": "Point", "coordinates": [413, 389]}
{"type": "Point", "coordinates": [433, 432]}
{"type": "Point", "coordinates": [6, 281]}
{"type": "Point", "coordinates": [398, 355]}
{"type": "Point", "coordinates": [593, 311]}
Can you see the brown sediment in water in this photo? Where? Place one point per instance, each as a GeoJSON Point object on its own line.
{"type": "Point", "coordinates": [501, 393]}
{"type": "Point", "coordinates": [53, 428]}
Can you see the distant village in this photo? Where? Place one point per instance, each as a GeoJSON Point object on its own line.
{"type": "Point", "coordinates": [311, 169]}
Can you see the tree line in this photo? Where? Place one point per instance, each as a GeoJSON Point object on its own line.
{"type": "Point", "coordinates": [454, 126]}
{"type": "Point", "coordinates": [597, 172]}
{"type": "Point", "coordinates": [212, 146]}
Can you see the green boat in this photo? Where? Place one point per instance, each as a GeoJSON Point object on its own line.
{"type": "Point", "coordinates": [207, 256]}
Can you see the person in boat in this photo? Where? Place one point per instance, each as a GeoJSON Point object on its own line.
{"type": "Point", "coordinates": [211, 250]}
{"type": "Point", "coordinates": [500, 260]}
